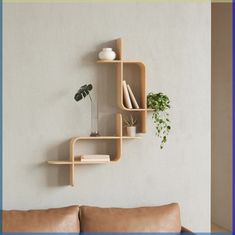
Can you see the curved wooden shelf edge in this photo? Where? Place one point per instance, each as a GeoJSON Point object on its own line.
{"type": "Point", "coordinates": [75, 139]}
{"type": "Point", "coordinates": [135, 110]}
{"type": "Point", "coordinates": [108, 61]}
{"type": "Point", "coordinates": [79, 162]}
{"type": "Point", "coordinates": [140, 63]}
{"type": "Point", "coordinates": [60, 162]}
{"type": "Point", "coordinates": [116, 159]}
{"type": "Point", "coordinates": [131, 138]}
{"type": "Point", "coordinates": [90, 163]}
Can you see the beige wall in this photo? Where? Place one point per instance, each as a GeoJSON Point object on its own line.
{"type": "Point", "coordinates": [50, 50]}
{"type": "Point", "coordinates": [222, 115]}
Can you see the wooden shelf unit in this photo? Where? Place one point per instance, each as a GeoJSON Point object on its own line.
{"type": "Point", "coordinates": [120, 63]}
{"type": "Point", "coordinates": [119, 137]}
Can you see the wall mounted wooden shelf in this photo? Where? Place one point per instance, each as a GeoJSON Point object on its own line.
{"type": "Point", "coordinates": [120, 64]}
{"type": "Point", "coordinates": [76, 140]}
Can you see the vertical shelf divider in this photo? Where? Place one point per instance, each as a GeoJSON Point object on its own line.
{"type": "Point", "coordinates": [118, 134]}
{"type": "Point", "coordinates": [71, 157]}
{"type": "Point", "coordinates": [119, 79]}
{"type": "Point", "coordinates": [143, 97]}
{"type": "Point", "coordinates": [119, 49]}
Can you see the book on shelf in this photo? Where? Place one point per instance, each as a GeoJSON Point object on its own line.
{"type": "Point", "coordinates": [126, 97]}
{"type": "Point", "coordinates": [94, 158]}
{"type": "Point", "coordinates": [133, 99]}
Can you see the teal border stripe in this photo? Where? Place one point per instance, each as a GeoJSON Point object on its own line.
{"type": "Point", "coordinates": [1, 92]}
{"type": "Point", "coordinates": [233, 114]}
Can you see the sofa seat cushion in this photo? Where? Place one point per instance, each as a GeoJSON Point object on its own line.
{"type": "Point", "coordinates": [51, 220]}
{"type": "Point", "coordinates": [144, 219]}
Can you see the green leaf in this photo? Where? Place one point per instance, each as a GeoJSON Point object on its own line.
{"type": "Point", "coordinates": [160, 103]}
{"type": "Point", "coordinates": [83, 92]}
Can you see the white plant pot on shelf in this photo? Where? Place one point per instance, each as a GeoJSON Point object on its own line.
{"type": "Point", "coordinates": [131, 131]}
{"type": "Point", "coordinates": [107, 54]}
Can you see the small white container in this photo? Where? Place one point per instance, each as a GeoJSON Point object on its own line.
{"type": "Point", "coordinates": [107, 54]}
{"type": "Point", "coordinates": [131, 131]}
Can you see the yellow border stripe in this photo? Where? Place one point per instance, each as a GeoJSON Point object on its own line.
{"type": "Point", "coordinates": [222, 1]}
{"type": "Point", "coordinates": [108, 1]}
{"type": "Point", "coordinates": [117, 1]}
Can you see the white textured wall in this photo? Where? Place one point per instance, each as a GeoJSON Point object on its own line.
{"type": "Point", "coordinates": [221, 165]}
{"type": "Point", "coordinates": [50, 50]}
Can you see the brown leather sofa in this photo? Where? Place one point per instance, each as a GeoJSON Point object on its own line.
{"type": "Point", "coordinates": [94, 219]}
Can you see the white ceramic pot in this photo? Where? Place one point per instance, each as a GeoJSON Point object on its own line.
{"type": "Point", "coordinates": [107, 54]}
{"type": "Point", "coordinates": [131, 131]}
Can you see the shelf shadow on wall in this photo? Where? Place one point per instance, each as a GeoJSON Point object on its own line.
{"type": "Point", "coordinates": [58, 175]}
{"type": "Point", "coordinates": [104, 82]}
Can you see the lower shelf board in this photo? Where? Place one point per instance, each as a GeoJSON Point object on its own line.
{"type": "Point", "coordinates": [60, 162]}
{"type": "Point", "coordinates": [131, 137]}
{"type": "Point", "coordinates": [107, 137]}
{"type": "Point", "coordinates": [76, 162]}
{"type": "Point", "coordinates": [89, 163]}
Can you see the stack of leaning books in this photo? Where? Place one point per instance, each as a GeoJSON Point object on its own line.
{"type": "Point", "coordinates": [129, 99]}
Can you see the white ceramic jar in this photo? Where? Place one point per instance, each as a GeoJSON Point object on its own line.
{"type": "Point", "coordinates": [107, 54]}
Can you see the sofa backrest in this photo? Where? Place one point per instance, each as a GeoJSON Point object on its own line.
{"type": "Point", "coordinates": [94, 219]}
{"type": "Point", "coordinates": [51, 220]}
{"type": "Point", "coordinates": [144, 219]}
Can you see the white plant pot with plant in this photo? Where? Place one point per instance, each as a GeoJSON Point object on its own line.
{"type": "Point", "coordinates": [130, 124]}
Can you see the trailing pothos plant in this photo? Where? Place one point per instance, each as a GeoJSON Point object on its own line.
{"type": "Point", "coordinates": [160, 104]}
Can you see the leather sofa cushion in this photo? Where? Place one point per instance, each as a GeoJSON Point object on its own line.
{"type": "Point", "coordinates": [51, 220]}
{"type": "Point", "coordinates": [144, 219]}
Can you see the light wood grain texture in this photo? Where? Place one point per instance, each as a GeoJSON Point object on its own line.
{"type": "Point", "coordinates": [60, 162]}
{"type": "Point", "coordinates": [108, 61]}
{"type": "Point", "coordinates": [118, 133]}
{"type": "Point", "coordinates": [77, 162]}
{"type": "Point", "coordinates": [118, 138]}
{"type": "Point", "coordinates": [119, 61]}
{"type": "Point", "coordinates": [130, 137]}
{"type": "Point", "coordinates": [143, 97]}
{"type": "Point", "coordinates": [96, 138]}
{"type": "Point", "coordinates": [118, 125]}
{"type": "Point", "coordinates": [119, 79]}
{"type": "Point", "coordinates": [119, 49]}
{"type": "Point", "coordinates": [71, 157]}
{"type": "Point", "coordinates": [90, 163]}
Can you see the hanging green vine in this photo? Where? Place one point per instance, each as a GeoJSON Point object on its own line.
{"type": "Point", "coordinates": [160, 103]}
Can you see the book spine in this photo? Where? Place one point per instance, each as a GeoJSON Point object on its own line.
{"type": "Point", "coordinates": [95, 156]}
{"type": "Point", "coordinates": [133, 99]}
{"type": "Point", "coordinates": [95, 160]}
{"type": "Point", "coordinates": [126, 96]}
